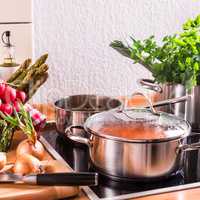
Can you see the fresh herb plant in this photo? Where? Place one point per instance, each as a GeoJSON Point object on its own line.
{"type": "Point", "coordinates": [177, 60]}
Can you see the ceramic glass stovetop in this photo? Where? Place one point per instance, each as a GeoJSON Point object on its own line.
{"type": "Point", "coordinates": [77, 157]}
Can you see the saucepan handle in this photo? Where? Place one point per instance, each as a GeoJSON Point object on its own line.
{"type": "Point", "coordinates": [189, 147]}
{"type": "Point", "coordinates": [148, 100]}
{"type": "Point", "coordinates": [76, 138]}
{"type": "Point", "coordinates": [170, 101]}
{"type": "Point", "coordinates": [150, 84]}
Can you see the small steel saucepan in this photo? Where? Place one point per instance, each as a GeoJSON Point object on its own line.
{"type": "Point", "coordinates": [76, 109]}
{"type": "Point", "coordinates": [136, 143]}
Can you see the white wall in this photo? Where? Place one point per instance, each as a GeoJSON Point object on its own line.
{"type": "Point", "coordinates": [77, 33]}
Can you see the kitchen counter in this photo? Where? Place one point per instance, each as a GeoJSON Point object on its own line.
{"type": "Point", "coordinates": [193, 194]}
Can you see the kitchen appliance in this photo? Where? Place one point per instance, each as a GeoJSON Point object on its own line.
{"type": "Point", "coordinates": [57, 179]}
{"type": "Point", "coordinates": [76, 109]}
{"type": "Point", "coordinates": [78, 159]}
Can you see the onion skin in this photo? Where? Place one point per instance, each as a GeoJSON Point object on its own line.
{"type": "Point", "coordinates": [3, 160]}
{"type": "Point", "coordinates": [26, 164]}
{"type": "Point", "coordinates": [28, 147]}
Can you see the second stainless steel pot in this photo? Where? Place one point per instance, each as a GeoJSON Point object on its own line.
{"type": "Point", "coordinates": [138, 159]}
{"type": "Point", "coordinates": [76, 109]}
{"type": "Point", "coordinates": [192, 113]}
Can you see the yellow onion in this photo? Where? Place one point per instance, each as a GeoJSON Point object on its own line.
{"type": "Point", "coordinates": [28, 147]}
{"type": "Point", "coordinates": [27, 164]}
{"type": "Point", "coordinates": [3, 160]}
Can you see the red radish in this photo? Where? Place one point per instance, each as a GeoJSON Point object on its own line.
{"type": "Point", "coordinates": [9, 94]}
{"type": "Point", "coordinates": [2, 88]}
{"type": "Point", "coordinates": [16, 106]}
{"type": "Point", "coordinates": [7, 108]}
{"type": "Point", "coordinates": [21, 96]}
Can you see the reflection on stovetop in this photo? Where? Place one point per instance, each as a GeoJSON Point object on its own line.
{"type": "Point", "coordinates": [76, 155]}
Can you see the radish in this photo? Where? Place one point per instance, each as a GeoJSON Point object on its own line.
{"type": "Point", "coordinates": [2, 88]}
{"type": "Point", "coordinates": [9, 94]}
{"type": "Point", "coordinates": [16, 106]}
{"type": "Point", "coordinates": [7, 109]}
{"type": "Point", "coordinates": [21, 96]}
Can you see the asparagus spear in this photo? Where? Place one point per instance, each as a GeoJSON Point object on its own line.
{"type": "Point", "coordinates": [19, 79]}
{"type": "Point", "coordinates": [29, 80]}
{"type": "Point", "coordinates": [35, 72]}
{"type": "Point", "coordinates": [22, 68]}
{"type": "Point", "coordinates": [31, 69]}
{"type": "Point", "coordinates": [42, 69]}
{"type": "Point", "coordinates": [36, 85]}
{"type": "Point", "coordinates": [39, 62]}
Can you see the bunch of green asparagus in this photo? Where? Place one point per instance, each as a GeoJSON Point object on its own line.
{"type": "Point", "coordinates": [29, 78]}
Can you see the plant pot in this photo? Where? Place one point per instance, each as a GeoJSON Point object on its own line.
{"type": "Point", "coordinates": [192, 113]}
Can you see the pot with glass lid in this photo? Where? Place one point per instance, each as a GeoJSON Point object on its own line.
{"type": "Point", "coordinates": [136, 143]}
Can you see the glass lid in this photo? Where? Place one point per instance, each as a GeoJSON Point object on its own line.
{"type": "Point", "coordinates": [137, 125]}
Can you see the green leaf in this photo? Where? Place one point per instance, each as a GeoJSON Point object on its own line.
{"type": "Point", "coordinates": [196, 66]}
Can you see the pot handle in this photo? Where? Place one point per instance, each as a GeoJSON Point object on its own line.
{"type": "Point", "coordinates": [150, 104]}
{"type": "Point", "coordinates": [149, 84]}
{"type": "Point", "coordinates": [170, 101]}
{"type": "Point", "coordinates": [76, 138]}
{"type": "Point", "coordinates": [189, 147]}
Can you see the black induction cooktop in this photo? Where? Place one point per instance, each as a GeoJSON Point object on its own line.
{"type": "Point", "coordinates": [77, 157]}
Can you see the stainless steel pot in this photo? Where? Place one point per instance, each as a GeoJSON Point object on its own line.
{"type": "Point", "coordinates": [141, 159]}
{"type": "Point", "coordinates": [193, 108]}
{"type": "Point", "coordinates": [167, 91]}
{"type": "Point", "coordinates": [76, 109]}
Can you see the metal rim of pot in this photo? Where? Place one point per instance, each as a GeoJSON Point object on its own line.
{"type": "Point", "coordinates": [84, 111]}
{"type": "Point", "coordinates": [135, 140]}
{"type": "Point", "coordinates": [87, 141]}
